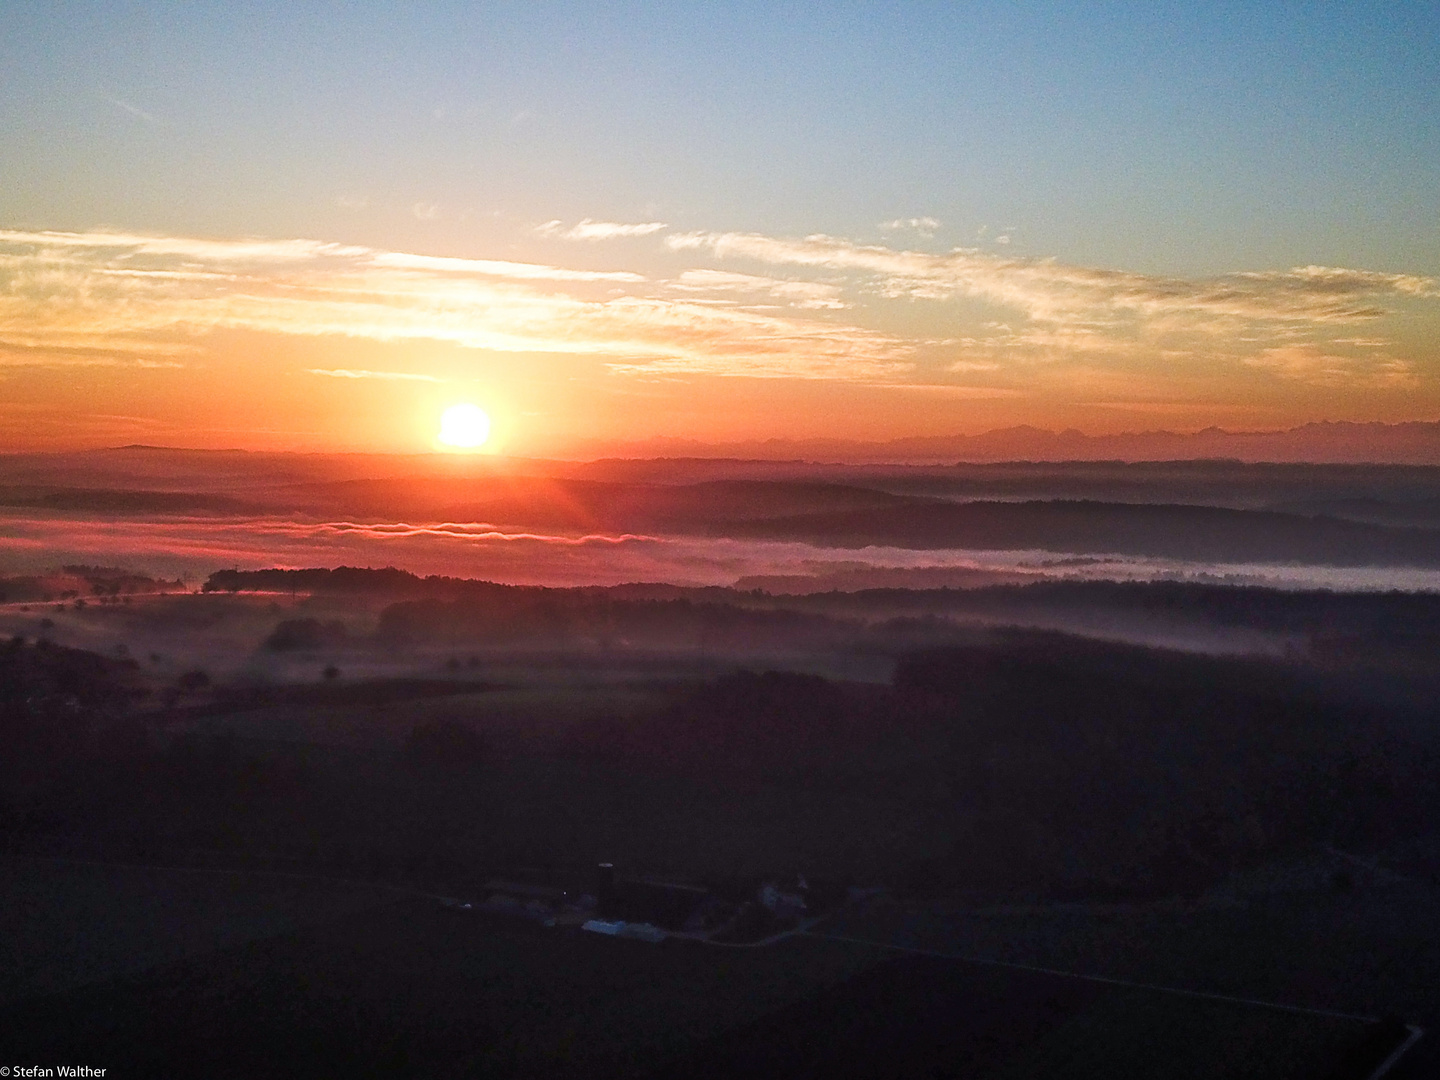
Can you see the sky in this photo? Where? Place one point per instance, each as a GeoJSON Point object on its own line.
{"type": "Point", "coordinates": [254, 226]}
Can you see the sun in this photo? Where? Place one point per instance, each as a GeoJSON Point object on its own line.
{"type": "Point", "coordinates": [464, 427]}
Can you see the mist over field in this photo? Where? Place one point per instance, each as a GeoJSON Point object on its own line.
{"type": "Point", "coordinates": [816, 632]}
{"type": "Point", "coordinates": [786, 527]}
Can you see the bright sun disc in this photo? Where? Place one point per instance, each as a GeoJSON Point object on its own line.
{"type": "Point", "coordinates": [464, 426]}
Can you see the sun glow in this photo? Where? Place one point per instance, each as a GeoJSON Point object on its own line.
{"type": "Point", "coordinates": [464, 427]}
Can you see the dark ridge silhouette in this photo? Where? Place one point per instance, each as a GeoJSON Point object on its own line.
{"type": "Point", "coordinates": [570, 503]}
{"type": "Point", "coordinates": [120, 501]}
{"type": "Point", "coordinates": [1415, 442]}
{"type": "Point", "coordinates": [1173, 531]}
{"type": "Point", "coordinates": [1392, 616]}
{"type": "Point", "coordinates": [556, 618]}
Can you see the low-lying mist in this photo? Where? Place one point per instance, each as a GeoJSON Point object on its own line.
{"type": "Point", "coordinates": [193, 547]}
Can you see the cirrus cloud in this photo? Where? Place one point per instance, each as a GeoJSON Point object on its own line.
{"type": "Point", "coordinates": [113, 291]}
{"type": "Point", "coordinates": [600, 230]}
{"type": "Point", "coordinates": [121, 295]}
{"type": "Point", "coordinates": [1051, 291]}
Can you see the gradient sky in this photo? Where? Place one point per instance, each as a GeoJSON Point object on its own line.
{"type": "Point", "coordinates": [243, 225]}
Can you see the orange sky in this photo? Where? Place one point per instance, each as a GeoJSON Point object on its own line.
{"type": "Point", "coordinates": [613, 331]}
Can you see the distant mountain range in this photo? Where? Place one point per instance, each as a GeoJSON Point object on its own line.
{"type": "Point", "coordinates": [1411, 443]}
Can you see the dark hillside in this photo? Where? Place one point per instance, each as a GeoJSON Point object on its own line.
{"type": "Point", "coordinates": [1174, 531]}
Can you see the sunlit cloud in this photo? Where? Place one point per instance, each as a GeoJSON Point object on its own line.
{"type": "Point", "coordinates": [1051, 291]}
{"type": "Point", "coordinates": [135, 354]}
{"type": "Point", "coordinates": [1312, 364]}
{"type": "Point", "coordinates": [99, 289]}
{"type": "Point", "coordinates": [103, 298]}
{"type": "Point", "coordinates": [925, 226]}
{"type": "Point", "coordinates": [124, 246]}
{"type": "Point", "coordinates": [495, 268]}
{"type": "Point", "coordinates": [348, 373]}
{"type": "Point", "coordinates": [600, 230]}
{"type": "Point", "coordinates": [1176, 408]}
{"type": "Point", "coordinates": [961, 392]}
{"type": "Point", "coordinates": [803, 294]}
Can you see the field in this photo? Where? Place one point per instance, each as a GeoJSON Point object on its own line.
{"type": "Point", "coordinates": [410, 990]}
{"type": "Point", "coordinates": [1367, 950]}
{"type": "Point", "coordinates": [922, 1016]}
{"type": "Point", "coordinates": [68, 923]}
{"type": "Point", "coordinates": [340, 981]}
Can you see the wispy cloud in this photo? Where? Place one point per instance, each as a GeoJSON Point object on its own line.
{"type": "Point", "coordinates": [803, 294]}
{"type": "Point", "coordinates": [1052, 291]}
{"type": "Point", "coordinates": [349, 373]}
{"type": "Point", "coordinates": [1313, 365]}
{"type": "Point", "coordinates": [925, 226]}
{"type": "Point", "coordinates": [133, 110]}
{"type": "Point", "coordinates": [600, 230]}
{"type": "Point", "coordinates": [123, 247]}
{"type": "Point", "coordinates": [114, 296]}
{"type": "Point", "coordinates": [493, 268]}
{"type": "Point", "coordinates": [60, 350]}
{"type": "Point", "coordinates": [95, 290]}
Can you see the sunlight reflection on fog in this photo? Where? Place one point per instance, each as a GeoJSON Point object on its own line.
{"type": "Point", "coordinates": [195, 547]}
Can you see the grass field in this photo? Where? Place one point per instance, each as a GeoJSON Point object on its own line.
{"type": "Point", "coordinates": [1369, 951]}
{"type": "Point", "coordinates": [65, 924]}
{"type": "Point", "coordinates": [922, 1016]}
{"type": "Point", "coordinates": [151, 972]}
{"type": "Point", "coordinates": [410, 990]}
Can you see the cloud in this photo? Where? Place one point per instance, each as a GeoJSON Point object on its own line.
{"type": "Point", "coordinates": [962, 393]}
{"type": "Point", "coordinates": [802, 294]}
{"type": "Point", "coordinates": [424, 211]}
{"type": "Point", "coordinates": [1177, 408]}
{"type": "Point", "coordinates": [1313, 365]}
{"type": "Point", "coordinates": [1051, 291]}
{"type": "Point", "coordinates": [925, 226]}
{"type": "Point", "coordinates": [493, 268]}
{"type": "Point", "coordinates": [108, 290]}
{"type": "Point", "coordinates": [112, 296]}
{"type": "Point", "coordinates": [121, 103]}
{"type": "Point", "coordinates": [600, 230]}
{"type": "Point", "coordinates": [676, 337]}
{"type": "Point", "coordinates": [348, 373]}
{"type": "Point", "coordinates": [52, 351]}
{"type": "Point", "coordinates": [127, 246]}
